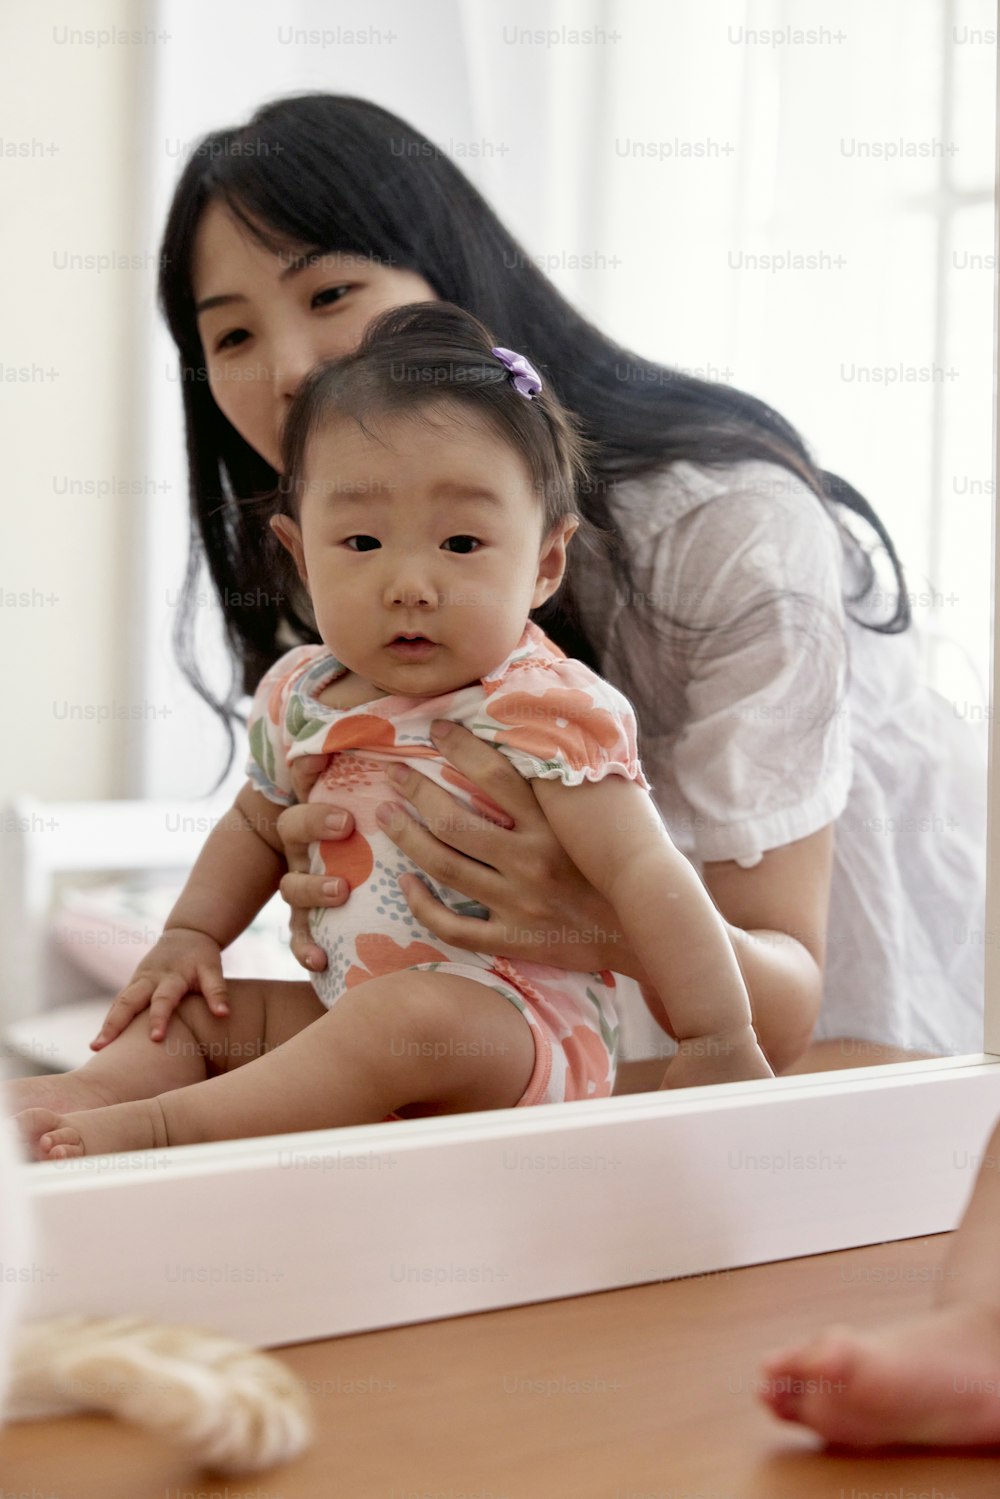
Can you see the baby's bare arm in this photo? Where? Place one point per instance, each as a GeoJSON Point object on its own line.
{"type": "Point", "coordinates": [237, 871]}
{"type": "Point", "coordinates": [612, 832]}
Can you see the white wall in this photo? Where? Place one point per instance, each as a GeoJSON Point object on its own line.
{"type": "Point", "coordinates": [408, 58]}
{"type": "Point", "coordinates": [803, 256]}
{"type": "Point", "coordinates": [68, 111]}
{"type": "Point", "coordinates": [108, 120]}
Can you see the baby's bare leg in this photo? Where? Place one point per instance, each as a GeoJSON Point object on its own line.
{"type": "Point", "coordinates": [262, 1014]}
{"type": "Point", "coordinates": [934, 1378]}
{"type": "Point", "coordinates": [405, 1038]}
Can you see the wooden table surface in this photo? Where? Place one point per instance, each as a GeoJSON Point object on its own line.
{"type": "Point", "coordinates": [646, 1393]}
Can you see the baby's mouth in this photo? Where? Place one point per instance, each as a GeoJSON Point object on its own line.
{"type": "Point", "coordinates": [411, 645]}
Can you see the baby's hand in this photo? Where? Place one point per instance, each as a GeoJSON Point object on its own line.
{"type": "Point", "coordinates": [182, 960]}
{"type": "Point", "coordinates": [728, 1057]}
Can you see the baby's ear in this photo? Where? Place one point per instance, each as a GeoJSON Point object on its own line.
{"type": "Point", "coordinates": [290, 536]}
{"type": "Point", "coordinates": [552, 559]}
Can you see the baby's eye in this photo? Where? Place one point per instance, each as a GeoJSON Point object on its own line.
{"type": "Point", "coordinates": [327, 297]}
{"type": "Point", "coordinates": [463, 539]}
{"type": "Point", "coordinates": [226, 341]}
{"type": "Point", "coordinates": [373, 539]}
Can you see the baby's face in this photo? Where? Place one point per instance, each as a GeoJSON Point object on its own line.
{"type": "Point", "coordinates": [429, 529]}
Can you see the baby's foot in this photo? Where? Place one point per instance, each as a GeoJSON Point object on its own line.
{"type": "Point", "coordinates": [63, 1091]}
{"type": "Point", "coordinates": [933, 1380]}
{"type": "Point", "coordinates": [48, 1136]}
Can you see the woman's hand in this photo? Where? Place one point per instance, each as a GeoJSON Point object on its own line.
{"type": "Point", "coordinates": [183, 960]}
{"type": "Point", "coordinates": [297, 827]}
{"type": "Point", "coordinates": [541, 908]}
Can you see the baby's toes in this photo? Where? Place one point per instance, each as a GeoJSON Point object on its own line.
{"type": "Point", "coordinates": [799, 1379]}
{"type": "Point", "coordinates": [780, 1391]}
{"type": "Point", "coordinates": [32, 1124]}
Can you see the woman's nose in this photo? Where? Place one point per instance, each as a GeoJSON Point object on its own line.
{"type": "Point", "coordinates": [290, 363]}
{"type": "Point", "coordinates": [291, 360]}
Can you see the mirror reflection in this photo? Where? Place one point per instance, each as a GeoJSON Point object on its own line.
{"type": "Point", "coordinates": [649, 448]}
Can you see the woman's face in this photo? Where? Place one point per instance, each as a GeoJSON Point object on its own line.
{"type": "Point", "coordinates": [267, 319]}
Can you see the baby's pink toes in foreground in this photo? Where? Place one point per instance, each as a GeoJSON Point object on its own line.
{"type": "Point", "coordinates": [932, 1380]}
{"type": "Point", "coordinates": [47, 1135]}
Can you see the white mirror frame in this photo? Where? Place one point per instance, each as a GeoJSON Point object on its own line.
{"type": "Point", "coordinates": [313, 1235]}
{"type": "Point", "coordinates": [341, 1231]}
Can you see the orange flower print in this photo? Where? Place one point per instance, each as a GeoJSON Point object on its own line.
{"type": "Point", "coordinates": [360, 731]}
{"type": "Point", "coordinates": [561, 723]}
{"type": "Point", "coordinates": [348, 859]}
{"type": "Point", "coordinates": [588, 1073]}
{"type": "Point", "coordinates": [282, 673]}
{"type": "Point", "coordinates": [381, 954]}
{"type": "Point", "coordinates": [275, 704]}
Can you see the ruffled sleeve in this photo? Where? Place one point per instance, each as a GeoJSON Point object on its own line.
{"type": "Point", "coordinates": [557, 720]}
{"type": "Point", "coordinates": [268, 726]}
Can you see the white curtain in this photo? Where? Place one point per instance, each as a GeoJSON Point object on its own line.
{"type": "Point", "coordinates": [793, 196]}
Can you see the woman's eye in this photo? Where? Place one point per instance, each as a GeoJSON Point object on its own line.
{"type": "Point", "coordinates": [329, 295]}
{"type": "Point", "coordinates": [227, 340]}
{"type": "Point", "coordinates": [373, 539]}
{"type": "Point", "coordinates": [466, 543]}
{"type": "Point", "coordinates": [325, 298]}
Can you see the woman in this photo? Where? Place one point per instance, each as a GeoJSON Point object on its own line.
{"type": "Point", "coordinates": [767, 717]}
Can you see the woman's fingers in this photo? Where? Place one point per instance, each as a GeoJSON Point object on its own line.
{"type": "Point", "coordinates": [477, 881]}
{"type": "Point", "coordinates": [300, 825]}
{"type": "Point", "coordinates": [305, 772]}
{"type": "Point", "coordinates": [469, 932]}
{"type": "Point", "coordinates": [449, 819]}
{"type": "Point", "coordinates": [488, 767]}
{"type": "Point", "coordinates": [303, 892]}
{"type": "Point", "coordinates": [304, 950]}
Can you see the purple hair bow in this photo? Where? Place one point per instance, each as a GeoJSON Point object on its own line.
{"type": "Point", "coordinates": [525, 377]}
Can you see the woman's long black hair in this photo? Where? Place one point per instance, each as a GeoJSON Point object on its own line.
{"type": "Point", "coordinates": [328, 172]}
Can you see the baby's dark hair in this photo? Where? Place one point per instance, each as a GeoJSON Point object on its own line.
{"type": "Point", "coordinates": [413, 356]}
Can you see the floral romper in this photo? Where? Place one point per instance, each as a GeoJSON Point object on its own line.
{"type": "Point", "coordinates": [552, 717]}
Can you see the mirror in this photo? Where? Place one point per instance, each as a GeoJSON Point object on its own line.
{"type": "Point", "coordinates": [816, 228]}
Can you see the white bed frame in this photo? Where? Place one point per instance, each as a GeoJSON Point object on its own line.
{"type": "Point", "coordinates": [333, 1232]}
{"type": "Point", "coordinates": [43, 840]}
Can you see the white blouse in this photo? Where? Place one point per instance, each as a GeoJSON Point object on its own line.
{"type": "Point", "coordinates": [771, 722]}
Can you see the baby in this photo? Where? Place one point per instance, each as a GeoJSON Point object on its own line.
{"type": "Point", "coordinates": [428, 500]}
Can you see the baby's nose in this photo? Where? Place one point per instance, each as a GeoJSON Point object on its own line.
{"type": "Point", "coordinates": [411, 591]}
